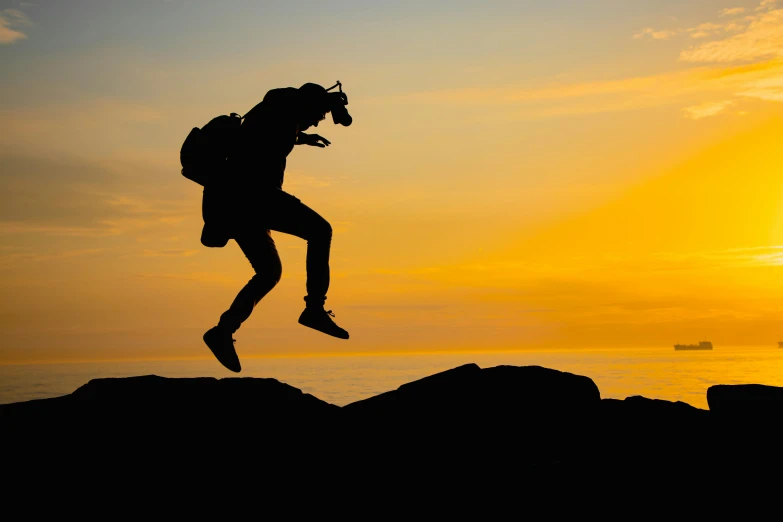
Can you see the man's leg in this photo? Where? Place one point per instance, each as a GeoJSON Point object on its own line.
{"type": "Point", "coordinates": [260, 250]}
{"type": "Point", "coordinates": [289, 215]}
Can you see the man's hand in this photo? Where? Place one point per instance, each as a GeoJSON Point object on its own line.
{"type": "Point", "coordinates": [314, 140]}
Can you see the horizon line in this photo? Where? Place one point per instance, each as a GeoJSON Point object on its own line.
{"type": "Point", "coordinates": [356, 354]}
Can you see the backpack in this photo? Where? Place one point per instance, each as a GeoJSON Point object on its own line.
{"type": "Point", "coordinates": [203, 158]}
{"type": "Point", "coordinates": [204, 152]}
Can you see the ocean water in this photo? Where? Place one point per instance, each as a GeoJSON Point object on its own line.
{"type": "Point", "coordinates": [654, 373]}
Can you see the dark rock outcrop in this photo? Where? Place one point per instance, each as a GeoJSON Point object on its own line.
{"type": "Point", "coordinates": [520, 416]}
{"type": "Point", "coordinates": [506, 391]}
{"type": "Point", "coordinates": [465, 425]}
{"type": "Point", "coordinates": [746, 400]}
{"type": "Point", "coordinates": [653, 413]}
{"type": "Point", "coordinates": [652, 435]}
{"type": "Point", "coordinates": [748, 417]}
{"type": "Point", "coordinates": [151, 410]}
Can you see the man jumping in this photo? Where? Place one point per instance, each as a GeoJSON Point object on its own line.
{"type": "Point", "coordinates": [247, 202]}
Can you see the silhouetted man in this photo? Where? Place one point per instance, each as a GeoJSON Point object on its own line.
{"type": "Point", "coordinates": [248, 201]}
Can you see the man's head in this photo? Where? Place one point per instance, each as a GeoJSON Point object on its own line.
{"type": "Point", "coordinates": [314, 104]}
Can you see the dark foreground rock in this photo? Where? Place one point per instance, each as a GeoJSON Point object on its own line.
{"type": "Point", "coordinates": [169, 402]}
{"type": "Point", "coordinates": [747, 400]}
{"type": "Point", "coordinates": [505, 411]}
{"type": "Point", "coordinates": [507, 392]}
{"type": "Point", "coordinates": [501, 426]}
{"type": "Point", "coordinates": [137, 416]}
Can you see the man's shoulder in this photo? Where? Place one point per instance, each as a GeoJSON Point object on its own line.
{"type": "Point", "coordinates": [276, 103]}
{"type": "Point", "coordinates": [281, 94]}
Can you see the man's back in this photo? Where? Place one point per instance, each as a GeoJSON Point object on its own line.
{"type": "Point", "coordinates": [267, 136]}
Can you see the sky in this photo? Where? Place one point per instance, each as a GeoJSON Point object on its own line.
{"type": "Point", "coordinates": [560, 174]}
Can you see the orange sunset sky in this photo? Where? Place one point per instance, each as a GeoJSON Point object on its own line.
{"type": "Point", "coordinates": [560, 174]}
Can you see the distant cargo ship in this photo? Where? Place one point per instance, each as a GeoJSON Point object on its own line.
{"type": "Point", "coordinates": [704, 345]}
{"type": "Point", "coordinates": [780, 344]}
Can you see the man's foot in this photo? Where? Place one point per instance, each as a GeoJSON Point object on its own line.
{"type": "Point", "coordinates": [321, 320]}
{"type": "Point", "coordinates": [222, 346]}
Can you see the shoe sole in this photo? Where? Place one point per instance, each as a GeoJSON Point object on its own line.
{"type": "Point", "coordinates": [347, 336]}
{"type": "Point", "coordinates": [221, 362]}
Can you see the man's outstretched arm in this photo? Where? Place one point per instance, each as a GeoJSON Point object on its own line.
{"type": "Point", "coordinates": [315, 140]}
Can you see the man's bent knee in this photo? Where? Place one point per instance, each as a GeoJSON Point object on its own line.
{"type": "Point", "coordinates": [275, 272]}
{"type": "Point", "coordinates": [263, 282]}
{"type": "Point", "coordinates": [323, 232]}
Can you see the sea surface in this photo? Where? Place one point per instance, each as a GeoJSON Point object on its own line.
{"type": "Point", "coordinates": [658, 373]}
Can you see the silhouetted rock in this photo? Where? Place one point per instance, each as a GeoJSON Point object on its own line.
{"type": "Point", "coordinates": [469, 390]}
{"type": "Point", "coordinates": [651, 434]}
{"type": "Point", "coordinates": [746, 400]}
{"type": "Point", "coordinates": [151, 410]}
{"type": "Point", "coordinates": [465, 425]}
{"type": "Point", "coordinates": [653, 411]}
{"type": "Point", "coordinates": [748, 417]}
{"type": "Point", "coordinates": [504, 410]}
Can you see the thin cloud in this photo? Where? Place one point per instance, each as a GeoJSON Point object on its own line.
{"type": "Point", "coordinates": [54, 122]}
{"type": "Point", "coordinates": [771, 255]}
{"type": "Point", "coordinates": [757, 39]}
{"type": "Point", "coordinates": [756, 31]}
{"type": "Point", "coordinates": [709, 29]}
{"type": "Point", "coordinates": [732, 11]}
{"type": "Point", "coordinates": [663, 34]}
{"type": "Point", "coordinates": [390, 307]}
{"type": "Point", "coordinates": [17, 258]}
{"type": "Point", "coordinates": [10, 22]}
{"type": "Point", "coordinates": [762, 39]}
{"type": "Point", "coordinates": [169, 253]}
{"type": "Point", "coordinates": [203, 277]}
{"type": "Point", "coordinates": [756, 80]}
{"type": "Point", "coordinates": [733, 27]}
{"type": "Point", "coordinates": [70, 197]}
{"type": "Point", "coordinates": [703, 30]}
{"type": "Point", "coordinates": [21, 228]}
{"type": "Point", "coordinates": [705, 110]}
{"type": "Point", "coordinates": [298, 179]}
{"type": "Point", "coordinates": [770, 89]}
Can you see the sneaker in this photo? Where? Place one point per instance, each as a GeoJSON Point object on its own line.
{"type": "Point", "coordinates": [222, 346]}
{"type": "Point", "coordinates": [321, 320]}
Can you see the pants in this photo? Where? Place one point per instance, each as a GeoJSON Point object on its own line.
{"type": "Point", "coordinates": [250, 228]}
